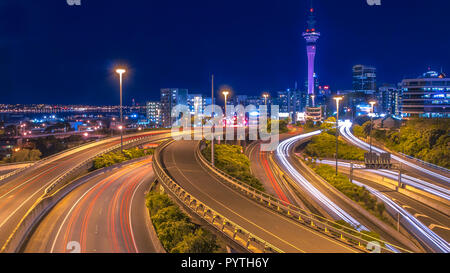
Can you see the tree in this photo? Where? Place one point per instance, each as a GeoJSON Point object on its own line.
{"type": "Point", "coordinates": [25, 155]}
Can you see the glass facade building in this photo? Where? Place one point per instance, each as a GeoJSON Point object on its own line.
{"type": "Point", "coordinates": [427, 96]}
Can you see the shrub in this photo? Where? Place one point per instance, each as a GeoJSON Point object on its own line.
{"type": "Point", "coordinates": [25, 155]}
{"type": "Point", "coordinates": [324, 146]}
{"type": "Point", "coordinates": [175, 230]}
{"type": "Point", "coordinates": [231, 160]}
{"type": "Point", "coordinates": [352, 191]}
{"type": "Point", "coordinates": [112, 158]}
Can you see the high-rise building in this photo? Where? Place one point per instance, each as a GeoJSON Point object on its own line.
{"type": "Point", "coordinates": [388, 98]}
{"type": "Point", "coordinates": [364, 79]}
{"type": "Point", "coordinates": [195, 103]}
{"type": "Point", "coordinates": [170, 97]}
{"type": "Point", "coordinates": [154, 113]}
{"type": "Point", "coordinates": [427, 96]}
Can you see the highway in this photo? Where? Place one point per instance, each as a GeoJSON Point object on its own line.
{"type": "Point", "coordinates": [106, 214]}
{"type": "Point", "coordinates": [331, 200]}
{"type": "Point", "coordinates": [283, 153]}
{"type": "Point", "coordinates": [182, 165]}
{"type": "Point", "coordinates": [433, 225]}
{"type": "Point", "coordinates": [434, 175]}
{"type": "Point", "coordinates": [18, 193]}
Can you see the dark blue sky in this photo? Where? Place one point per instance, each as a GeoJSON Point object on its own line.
{"type": "Point", "coordinates": [53, 53]}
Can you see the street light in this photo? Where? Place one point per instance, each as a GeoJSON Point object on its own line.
{"type": "Point", "coordinates": [372, 103]}
{"type": "Point", "coordinates": [225, 94]}
{"type": "Point", "coordinates": [337, 129]}
{"type": "Point", "coordinates": [121, 71]}
{"type": "Point", "coordinates": [265, 95]}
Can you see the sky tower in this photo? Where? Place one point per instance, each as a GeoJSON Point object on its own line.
{"type": "Point", "coordinates": [311, 36]}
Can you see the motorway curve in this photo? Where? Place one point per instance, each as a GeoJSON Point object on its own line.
{"type": "Point", "coordinates": [106, 214]}
{"type": "Point", "coordinates": [183, 166]}
{"type": "Point", "coordinates": [20, 192]}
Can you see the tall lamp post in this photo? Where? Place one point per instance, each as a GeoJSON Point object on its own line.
{"type": "Point", "coordinates": [265, 95]}
{"type": "Point", "coordinates": [372, 103]}
{"type": "Point", "coordinates": [337, 129]}
{"type": "Point", "coordinates": [121, 71]}
{"type": "Point", "coordinates": [212, 119]}
{"type": "Point", "coordinates": [225, 94]}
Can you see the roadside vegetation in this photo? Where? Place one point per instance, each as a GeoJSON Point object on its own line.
{"type": "Point", "coordinates": [24, 155]}
{"type": "Point", "coordinates": [282, 125]}
{"type": "Point", "coordinates": [324, 145]}
{"type": "Point", "coordinates": [425, 139]}
{"type": "Point", "coordinates": [231, 160]}
{"type": "Point", "coordinates": [112, 158]}
{"type": "Point", "coordinates": [358, 194]}
{"type": "Point", "coordinates": [175, 230]}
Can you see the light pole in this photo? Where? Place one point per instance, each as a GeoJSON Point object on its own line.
{"type": "Point", "coordinates": [265, 95]}
{"type": "Point", "coordinates": [337, 129]}
{"type": "Point", "coordinates": [372, 103]}
{"type": "Point", "coordinates": [121, 71]}
{"type": "Point", "coordinates": [225, 94]}
{"type": "Point", "coordinates": [212, 119]}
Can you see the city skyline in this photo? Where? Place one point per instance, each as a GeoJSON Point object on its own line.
{"type": "Point", "coordinates": [274, 56]}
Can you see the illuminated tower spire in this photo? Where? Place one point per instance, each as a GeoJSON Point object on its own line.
{"type": "Point", "coordinates": [311, 36]}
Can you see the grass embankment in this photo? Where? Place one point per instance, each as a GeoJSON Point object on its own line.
{"type": "Point", "coordinates": [232, 161]}
{"type": "Point", "coordinates": [358, 194]}
{"type": "Point", "coordinates": [174, 228]}
{"type": "Point", "coordinates": [324, 146]}
{"type": "Point", "coordinates": [425, 139]}
{"type": "Point", "coordinates": [112, 158]}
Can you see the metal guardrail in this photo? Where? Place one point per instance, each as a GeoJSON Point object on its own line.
{"type": "Point", "coordinates": [318, 223]}
{"type": "Point", "coordinates": [225, 226]}
{"type": "Point", "coordinates": [3, 177]}
{"type": "Point", "coordinates": [426, 163]}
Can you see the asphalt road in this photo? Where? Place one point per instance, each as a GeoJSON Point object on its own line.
{"type": "Point", "coordinates": [435, 220]}
{"type": "Point", "coordinates": [327, 197]}
{"type": "Point", "coordinates": [181, 163]}
{"type": "Point", "coordinates": [20, 192]}
{"type": "Point", "coordinates": [107, 214]}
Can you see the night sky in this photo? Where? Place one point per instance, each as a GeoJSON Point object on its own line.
{"type": "Point", "coordinates": [54, 53]}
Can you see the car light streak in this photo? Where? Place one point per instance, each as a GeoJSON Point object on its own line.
{"type": "Point", "coordinates": [406, 179]}
{"type": "Point", "coordinates": [421, 230]}
{"type": "Point", "coordinates": [345, 131]}
{"type": "Point", "coordinates": [282, 155]}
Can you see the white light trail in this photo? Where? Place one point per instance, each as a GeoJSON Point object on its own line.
{"type": "Point", "coordinates": [421, 230]}
{"type": "Point", "coordinates": [282, 155]}
{"type": "Point", "coordinates": [345, 131]}
{"type": "Point", "coordinates": [406, 179]}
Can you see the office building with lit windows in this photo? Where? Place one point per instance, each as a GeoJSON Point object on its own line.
{"type": "Point", "coordinates": [427, 96]}
{"type": "Point", "coordinates": [364, 79]}
{"type": "Point", "coordinates": [153, 109]}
